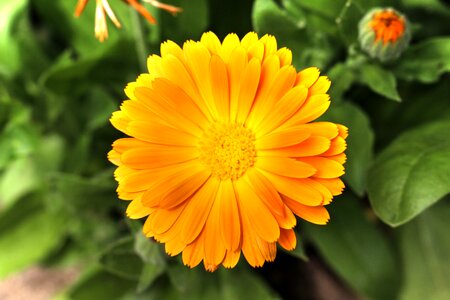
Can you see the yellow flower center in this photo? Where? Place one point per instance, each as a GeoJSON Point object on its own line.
{"type": "Point", "coordinates": [228, 150]}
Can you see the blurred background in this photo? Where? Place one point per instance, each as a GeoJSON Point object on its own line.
{"type": "Point", "coordinates": [63, 231]}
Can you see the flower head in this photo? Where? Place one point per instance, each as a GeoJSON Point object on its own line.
{"type": "Point", "coordinates": [384, 33]}
{"type": "Point", "coordinates": [103, 8]}
{"type": "Point", "coordinates": [223, 151]}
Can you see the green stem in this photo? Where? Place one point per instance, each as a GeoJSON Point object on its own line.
{"type": "Point", "coordinates": [139, 38]}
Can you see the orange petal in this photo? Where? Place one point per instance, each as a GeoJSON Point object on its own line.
{"type": "Point", "coordinates": [197, 210]}
{"type": "Point", "coordinates": [231, 258]}
{"type": "Point", "coordinates": [136, 210]}
{"type": "Point", "coordinates": [282, 138]}
{"type": "Point", "coordinates": [287, 239]}
{"type": "Point", "coordinates": [285, 56]}
{"type": "Point", "coordinates": [142, 11]}
{"type": "Point", "coordinates": [194, 252]}
{"type": "Point", "coordinates": [148, 158]}
{"type": "Point", "coordinates": [249, 85]}
{"type": "Point", "coordinates": [214, 246]}
{"type": "Point", "coordinates": [285, 166]}
{"type": "Point", "coordinates": [163, 219]}
{"type": "Point", "coordinates": [174, 247]}
{"type": "Point", "coordinates": [258, 214]}
{"type": "Point", "coordinates": [325, 129]}
{"type": "Point", "coordinates": [334, 185]}
{"type": "Point", "coordinates": [271, 89]}
{"type": "Point", "coordinates": [230, 227]}
{"type": "Point", "coordinates": [114, 157]}
{"type": "Point", "coordinates": [236, 68]}
{"type": "Point", "coordinates": [159, 134]}
{"type": "Point", "coordinates": [337, 146]}
{"type": "Point", "coordinates": [283, 109]}
{"type": "Point", "coordinates": [268, 250]}
{"type": "Point", "coordinates": [314, 214]}
{"type": "Point", "coordinates": [220, 92]}
{"type": "Point", "coordinates": [230, 43]}
{"type": "Point", "coordinates": [166, 192]}
{"type": "Point", "coordinates": [321, 86]}
{"type": "Point", "coordinates": [312, 146]}
{"type": "Point", "coordinates": [307, 77]}
{"type": "Point", "coordinates": [326, 168]}
{"type": "Point", "coordinates": [212, 42]}
{"type": "Point", "coordinates": [297, 189]}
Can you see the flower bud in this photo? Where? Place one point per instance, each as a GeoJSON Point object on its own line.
{"type": "Point", "coordinates": [384, 33]}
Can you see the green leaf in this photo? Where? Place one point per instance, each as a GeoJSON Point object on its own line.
{"type": "Point", "coordinates": [380, 81]}
{"type": "Point", "coordinates": [342, 78]}
{"type": "Point", "coordinates": [75, 193]}
{"type": "Point", "coordinates": [100, 285]}
{"type": "Point", "coordinates": [19, 179]}
{"type": "Point", "coordinates": [10, 11]}
{"type": "Point", "coordinates": [426, 61]}
{"type": "Point", "coordinates": [154, 262]}
{"type": "Point", "coordinates": [189, 24]}
{"type": "Point", "coordinates": [359, 143]}
{"type": "Point", "coordinates": [425, 249]}
{"type": "Point", "coordinates": [356, 249]}
{"type": "Point", "coordinates": [121, 259]}
{"type": "Point", "coordinates": [27, 234]}
{"type": "Point", "coordinates": [241, 283]}
{"type": "Point", "coordinates": [270, 18]}
{"type": "Point", "coordinates": [149, 274]}
{"type": "Point", "coordinates": [411, 174]}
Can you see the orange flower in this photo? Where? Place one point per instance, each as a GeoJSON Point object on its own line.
{"type": "Point", "coordinates": [384, 33]}
{"type": "Point", "coordinates": [388, 26]}
{"type": "Point", "coordinates": [103, 8]}
{"type": "Point", "coordinates": [223, 151]}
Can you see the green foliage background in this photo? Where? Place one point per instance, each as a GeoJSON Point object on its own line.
{"type": "Point", "coordinates": [388, 236]}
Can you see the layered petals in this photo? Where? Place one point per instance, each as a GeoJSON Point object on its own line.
{"type": "Point", "coordinates": [224, 153]}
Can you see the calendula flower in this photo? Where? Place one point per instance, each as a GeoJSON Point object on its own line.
{"type": "Point", "coordinates": [103, 8]}
{"type": "Point", "coordinates": [223, 151]}
{"type": "Point", "coordinates": [384, 33]}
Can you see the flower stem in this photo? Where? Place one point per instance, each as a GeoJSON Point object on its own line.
{"type": "Point", "coordinates": [139, 39]}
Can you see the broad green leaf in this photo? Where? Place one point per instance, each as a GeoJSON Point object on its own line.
{"type": "Point", "coordinates": [356, 249]}
{"type": "Point", "coordinates": [27, 235]}
{"type": "Point", "coordinates": [76, 193]}
{"type": "Point", "coordinates": [411, 174]}
{"type": "Point", "coordinates": [425, 249]}
{"type": "Point", "coordinates": [242, 283]}
{"type": "Point", "coordinates": [10, 58]}
{"type": "Point", "coordinates": [19, 179]}
{"type": "Point", "coordinates": [238, 283]}
{"type": "Point", "coordinates": [121, 259]}
{"type": "Point", "coordinates": [425, 61]}
{"type": "Point", "coordinates": [326, 8]}
{"type": "Point", "coordinates": [100, 285]}
{"type": "Point", "coordinates": [148, 250]}
{"type": "Point", "coordinates": [183, 278]}
{"type": "Point", "coordinates": [359, 143]}
{"type": "Point", "coordinates": [434, 5]}
{"type": "Point", "coordinates": [149, 274]}
{"type": "Point", "coordinates": [379, 80]}
{"type": "Point", "coordinates": [154, 262]}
